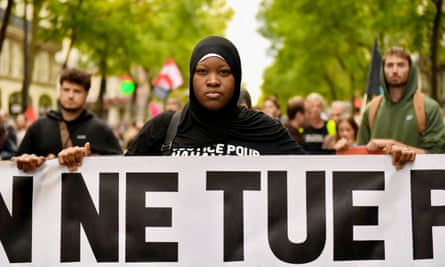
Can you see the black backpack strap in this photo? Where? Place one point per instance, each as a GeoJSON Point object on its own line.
{"type": "Point", "coordinates": [171, 133]}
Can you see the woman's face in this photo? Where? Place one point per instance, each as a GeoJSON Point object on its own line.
{"type": "Point", "coordinates": [213, 83]}
{"type": "Point", "coordinates": [346, 131]}
{"type": "Point", "coordinates": [271, 109]}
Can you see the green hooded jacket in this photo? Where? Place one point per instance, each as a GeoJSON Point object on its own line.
{"type": "Point", "coordinates": [397, 120]}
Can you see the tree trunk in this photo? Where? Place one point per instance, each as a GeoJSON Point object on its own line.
{"type": "Point", "coordinates": [73, 34]}
{"type": "Point", "coordinates": [434, 48]}
{"type": "Point", "coordinates": [331, 85]}
{"type": "Point", "coordinates": [103, 82]}
{"type": "Point", "coordinates": [100, 99]}
{"type": "Point", "coordinates": [25, 84]}
{"type": "Point", "coordinates": [5, 23]}
{"type": "Point", "coordinates": [70, 48]}
{"type": "Point", "coordinates": [31, 46]}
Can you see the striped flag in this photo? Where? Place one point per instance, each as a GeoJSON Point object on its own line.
{"type": "Point", "coordinates": [169, 78]}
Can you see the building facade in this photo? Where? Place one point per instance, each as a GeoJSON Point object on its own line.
{"type": "Point", "coordinates": [43, 93]}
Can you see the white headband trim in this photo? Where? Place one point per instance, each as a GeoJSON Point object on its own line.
{"type": "Point", "coordinates": [211, 55]}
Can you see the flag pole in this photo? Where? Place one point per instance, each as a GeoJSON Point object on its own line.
{"type": "Point", "coordinates": [373, 85]}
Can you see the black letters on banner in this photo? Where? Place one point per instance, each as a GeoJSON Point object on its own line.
{"type": "Point", "coordinates": [100, 228]}
{"type": "Point", "coordinates": [138, 217]}
{"type": "Point", "coordinates": [16, 230]}
{"type": "Point", "coordinates": [233, 184]}
{"type": "Point", "coordinates": [101, 223]}
{"type": "Point", "coordinates": [346, 216]}
{"type": "Point", "coordinates": [425, 216]}
{"type": "Point", "coordinates": [279, 241]}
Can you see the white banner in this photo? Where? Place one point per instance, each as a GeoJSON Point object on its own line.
{"type": "Point", "coordinates": [225, 211]}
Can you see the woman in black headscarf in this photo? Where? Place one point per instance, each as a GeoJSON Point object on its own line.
{"type": "Point", "coordinates": [212, 123]}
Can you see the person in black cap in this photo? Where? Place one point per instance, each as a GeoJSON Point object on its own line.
{"type": "Point", "coordinates": [212, 123]}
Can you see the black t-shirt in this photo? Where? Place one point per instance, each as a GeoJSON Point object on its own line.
{"type": "Point", "coordinates": [151, 137]}
{"type": "Point", "coordinates": [313, 139]}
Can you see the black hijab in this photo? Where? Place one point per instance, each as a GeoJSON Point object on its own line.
{"type": "Point", "coordinates": [200, 126]}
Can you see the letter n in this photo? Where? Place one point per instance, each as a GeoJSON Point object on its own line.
{"type": "Point", "coordinates": [16, 230]}
{"type": "Point", "coordinates": [101, 228]}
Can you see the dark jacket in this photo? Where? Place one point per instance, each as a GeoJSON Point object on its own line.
{"type": "Point", "coordinates": [43, 136]}
{"type": "Point", "coordinates": [8, 149]}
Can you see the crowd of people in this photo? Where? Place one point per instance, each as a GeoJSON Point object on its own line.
{"type": "Point", "coordinates": [219, 119]}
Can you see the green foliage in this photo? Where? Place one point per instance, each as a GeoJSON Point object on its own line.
{"type": "Point", "coordinates": [321, 46]}
{"type": "Point", "coordinates": [115, 35]}
{"type": "Point", "coordinates": [325, 46]}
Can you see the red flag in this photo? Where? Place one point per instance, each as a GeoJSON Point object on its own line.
{"type": "Point", "coordinates": [29, 114]}
{"type": "Point", "coordinates": [169, 78]}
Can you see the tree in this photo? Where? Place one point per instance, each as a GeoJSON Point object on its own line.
{"type": "Point", "coordinates": [328, 50]}
{"type": "Point", "coordinates": [317, 48]}
{"type": "Point", "coordinates": [115, 36]}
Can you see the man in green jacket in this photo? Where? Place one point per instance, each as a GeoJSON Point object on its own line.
{"type": "Point", "coordinates": [395, 125]}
